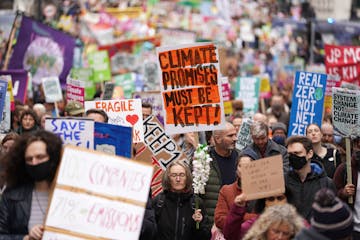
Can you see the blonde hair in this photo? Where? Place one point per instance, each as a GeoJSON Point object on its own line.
{"type": "Point", "coordinates": [278, 214]}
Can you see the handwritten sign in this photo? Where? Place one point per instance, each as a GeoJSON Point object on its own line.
{"type": "Point", "coordinates": [3, 89]}
{"type": "Point", "coordinates": [244, 136]}
{"type": "Point", "coordinates": [263, 178]}
{"type": "Point", "coordinates": [247, 90]}
{"type": "Point", "coordinates": [127, 112]}
{"type": "Point", "coordinates": [346, 111]}
{"type": "Point", "coordinates": [307, 101]}
{"type": "Point", "coordinates": [191, 88]}
{"type": "Point", "coordinates": [153, 98]}
{"type": "Point", "coordinates": [106, 199]}
{"type": "Point", "coordinates": [343, 61]}
{"type": "Point", "coordinates": [113, 139]}
{"type": "Point", "coordinates": [52, 89]}
{"type": "Point", "coordinates": [75, 90]}
{"type": "Point", "coordinates": [162, 149]}
{"type": "Point", "coordinates": [74, 131]}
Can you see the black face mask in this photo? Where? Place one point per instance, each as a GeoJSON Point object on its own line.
{"type": "Point", "coordinates": [297, 162]}
{"type": "Point", "coordinates": [40, 171]}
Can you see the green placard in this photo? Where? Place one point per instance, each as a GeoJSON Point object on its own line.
{"type": "Point", "coordinates": [86, 75]}
{"type": "Point", "coordinates": [100, 63]}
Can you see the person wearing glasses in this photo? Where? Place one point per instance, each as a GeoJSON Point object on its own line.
{"type": "Point", "coordinates": [236, 225]}
{"type": "Point", "coordinates": [30, 169]}
{"type": "Point", "coordinates": [176, 211]}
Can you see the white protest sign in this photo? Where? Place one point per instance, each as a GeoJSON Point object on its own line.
{"type": "Point", "coordinates": [244, 136]}
{"type": "Point", "coordinates": [106, 199]}
{"type": "Point", "coordinates": [74, 131]}
{"type": "Point", "coordinates": [52, 89]}
{"type": "Point", "coordinates": [125, 112]}
{"type": "Point", "coordinates": [346, 111]}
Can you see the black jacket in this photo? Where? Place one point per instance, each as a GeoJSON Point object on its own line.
{"type": "Point", "coordinates": [174, 212]}
{"type": "Point", "coordinates": [15, 207]}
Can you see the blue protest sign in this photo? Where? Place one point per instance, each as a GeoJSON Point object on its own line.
{"type": "Point", "coordinates": [113, 139]}
{"type": "Point", "coordinates": [307, 101]}
{"type": "Point", "coordinates": [3, 88]}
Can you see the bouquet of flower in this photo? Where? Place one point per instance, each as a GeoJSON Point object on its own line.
{"type": "Point", "coordinates": [201, 171]}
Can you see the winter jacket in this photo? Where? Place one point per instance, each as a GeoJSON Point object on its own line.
{"type": "Point", "coordinates": [225, 201]}
{"type": "Point", "coordinates": [148, 227]}
{"type": "Point", "coordinates": [15, 208]}
{"type": "Point", "coordinates": [236, 226]}
{"type": "Point", "coordinates": [310, 234]}
{"type": "Point", "coordinates": [303, 193]}
{"type": "Point", "coordinates": [330, 161]}
{"type": "Point", "coordinates": [213, 185]}
{"type": "Point", "coordinates": [173, 212]}
{"type": "Point", "coordinates": [272, 149]}
{"type": "Point", "coordinates": [340, 180]}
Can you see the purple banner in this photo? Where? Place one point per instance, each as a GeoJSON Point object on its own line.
{"type": "Point", "coordinates": [19, 79]}
{"type": "Point", "coordinates": [43, 51]}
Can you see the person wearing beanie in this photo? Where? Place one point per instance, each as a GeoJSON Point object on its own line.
{"type": "Point", "coordinates": [279, 132]}
{"type": "Point", "coordinates": [331, 220]}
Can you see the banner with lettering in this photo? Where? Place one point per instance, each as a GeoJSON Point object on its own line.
{"type": "Point", "coordinates": [247, 90]}
{"type": "Point", "coordinates": [346, 111]}
{"type": "Point", "coordinates": [307, 101]}
{"type": "Point", "coordinates": [43, 51]}
{"type": "Point", "coordinates": [99, 61]}
{"type": "Point", "coordinates": [343, 61]}
{"type": "Point", "coordinates": [153, 98]}
{"type": "Point", "coordinates": [126, 112]}
{"type": "Point", "coordinates": [191, 88]}
{"type": "Point", "coordinates": [113, 139]}
{"type": "Point", "coordinates": [52, 89]}
{"type": "Point", "coordinates": [3, 89]}
{"type": "Point", "coordinates": [75, 90]}
{"type": "Point", "coordinates": [159, 149]}
{"type": "Point", "coordinates": [96, 203]}
{"type": "Point", "coordinates": [74, 131]}
{"type": "Point", "coordinates": [19, 83]}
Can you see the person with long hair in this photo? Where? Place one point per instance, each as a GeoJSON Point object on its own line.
{"type": "Point", "coordinates": [175, 208]}
{"type": "Point", "coordinates": [30, 170]}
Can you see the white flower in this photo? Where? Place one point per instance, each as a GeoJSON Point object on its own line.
{"type": "Point", "coordinates": [201, 168]}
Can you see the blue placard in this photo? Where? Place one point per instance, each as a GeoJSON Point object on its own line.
{"type": "Point", "coordinates": [3, 88]}
{"type": "Point", "coordinates": [307, 101]}
{"type": "Point", "coordinates": [113, 139]}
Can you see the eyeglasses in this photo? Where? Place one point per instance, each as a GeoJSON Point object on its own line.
{"type": "Point", "coordinates": [279, 198]}
{"type": "Point", "coordinates": [175, 175]}
{"type": "Point", "coordinates": [283, 233]}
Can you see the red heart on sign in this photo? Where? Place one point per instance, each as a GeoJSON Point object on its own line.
{"type": "Point", "coordinates": [132, 119]}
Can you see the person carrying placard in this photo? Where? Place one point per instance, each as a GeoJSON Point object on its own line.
{"type": "Point", "coordinates": [30, 170]}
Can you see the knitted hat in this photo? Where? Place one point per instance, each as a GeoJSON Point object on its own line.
{"type": "Point", "coordinates": [331, 217]}
{"type": "Point", "coordinates": [74, 108]}
{"type": "Point", "coordinates": [277, 126]}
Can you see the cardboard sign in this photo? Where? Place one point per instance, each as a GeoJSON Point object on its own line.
{"type": "Point", "coordinates": [244, 136]}
{"type": "Point", "coordinates": [75, 90]}
{"type": "Point", "coordinates": [346, 111]}
{"type": "Point", "coordinates": [263, 178]}
{"type": "Point", "coordinates": [3, 90]}
{"type": "Point", "coordinates": [153, 98]}
{"type": "Point", "coordinates": [191, 88]}
{"type": "Point", "coordinates": [247, 90]}
{"type": "Point", "coordinates": [99, 61]}
{"type": "Point", "coordinates": [113, 139]}
{"type": "Point", "coordinates": [159, 149]}
{"type": "Point", "coordinates": [74, 131]}
{"type": "Point", "coordinates": [52, 89]}
{"type": "Point", "coordinates": [343, 61]}
{"type": "Point", "coordinates": [86, 75]}
{"type": "Point", "coordinates": [106, 199]}
{"type": "Point", "coordinates": [127, 112]}
{"type": "Point", "coordinates": [307, 101]}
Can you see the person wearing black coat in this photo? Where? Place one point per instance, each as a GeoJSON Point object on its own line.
{"type": "Point", "coordinates": [175, 207]}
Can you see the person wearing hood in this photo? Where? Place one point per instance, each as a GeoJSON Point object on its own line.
{"type": "Point", "coordinates": [305, 177]}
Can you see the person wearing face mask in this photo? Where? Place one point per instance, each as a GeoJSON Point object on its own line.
{"type": "Point", "coordinates": [30, 170]}
{"type": "Point", "coordinates": [345, 190]}
{"type": "Point", "coordinates": [279, 132]}
{"type": "Point", "coordinates": [305, 177]}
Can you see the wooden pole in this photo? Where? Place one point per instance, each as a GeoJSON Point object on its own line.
{"type": "Point", "coordinates": [9, 46]}
{"type": "Point", "coordinates": [348, 166]}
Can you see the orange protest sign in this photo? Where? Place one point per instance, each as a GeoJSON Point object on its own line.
{"type": "Point", "coordinates": [191, 88]}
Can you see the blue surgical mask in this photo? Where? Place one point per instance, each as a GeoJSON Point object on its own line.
{"type": "Point", "coordinates": [279, 139]}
